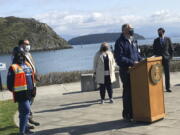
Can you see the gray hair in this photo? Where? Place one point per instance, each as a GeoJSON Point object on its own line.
{"type": "Point", "coordinates": [125, 26]}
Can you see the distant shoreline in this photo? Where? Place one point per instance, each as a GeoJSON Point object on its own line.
{"type": "Point", "coordinates": [99, 38]}
{"type": "Point", "coordinates": [40, 50]}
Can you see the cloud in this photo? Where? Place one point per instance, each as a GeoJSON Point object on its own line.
{"type": "Point", "coordinates": [81, 23]}
{"type": "Point", "coordinates": [165, 16]}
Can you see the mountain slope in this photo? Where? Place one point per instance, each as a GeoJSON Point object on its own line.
{"type": "Point", "coordinates": [41, 36]}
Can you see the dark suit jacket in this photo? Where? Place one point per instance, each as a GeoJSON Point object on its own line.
{"type": "Point", "coordinates": [165, 49]}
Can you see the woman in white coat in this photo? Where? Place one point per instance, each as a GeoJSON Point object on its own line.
{"type": "Point", "coordinates": [104, 70]}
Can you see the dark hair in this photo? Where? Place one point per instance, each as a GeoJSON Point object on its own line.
{"type": "Point", "coordinates": [20, 42]}
{"type": "Point", "coordinates": [161, 29]}
{"type": "Point", "coordinates": [16, 52]}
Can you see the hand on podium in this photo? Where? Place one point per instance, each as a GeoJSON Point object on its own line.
{"type": "Point", "coordinates": [136, 62]}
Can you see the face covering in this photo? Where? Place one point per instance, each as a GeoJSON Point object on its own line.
{"type": "Point", "coordinates": [27, 48]}
{"type": "Point", "coordinates": [20, 59]}
{"type": "Point", "coordinates": [104, 48]}
{"type": "Point", "coordinates": [160, 34]}
{"type": "Point", "coordinates": [131, 32]}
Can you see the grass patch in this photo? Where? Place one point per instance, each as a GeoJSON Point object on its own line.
{"type": "Point", "coordinates": [7, 111]}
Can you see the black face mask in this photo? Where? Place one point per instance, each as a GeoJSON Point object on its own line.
{"type": "Point", "coordinates": [131, 32]}
{"type": "Point", "coordinates": [104, 49]}
{"type": "Point", "coordinates": [19, 59]}
{"type": "Point", "coordinates": [160, 34]}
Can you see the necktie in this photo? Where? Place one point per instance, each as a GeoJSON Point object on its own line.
{"type": "Point", "coordinates": [162, 40]}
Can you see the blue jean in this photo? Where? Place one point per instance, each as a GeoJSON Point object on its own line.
{"type": "Point", "coordinates": [24, 111]}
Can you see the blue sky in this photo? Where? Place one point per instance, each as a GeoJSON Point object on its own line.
{"type": "Point", "coordinates": [78, 17]}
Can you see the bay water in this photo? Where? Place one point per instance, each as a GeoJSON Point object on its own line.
{"type": "Point", "coordinates": [78, 58]}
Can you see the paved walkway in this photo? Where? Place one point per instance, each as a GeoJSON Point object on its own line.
{"type": "Point", "coordinates": [76, 113]}
{"type": "Point", "coordinates": [64, 110]}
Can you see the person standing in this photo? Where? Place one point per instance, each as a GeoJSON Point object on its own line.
{"type": "Point", "coordinates": [24, 45]}
{"type": "Point", "coordinates": [162, 46]}
{"type": "Point", "coordinates": [20, 81]}
{"type": "Point", "coordinates": [104, 70]}
{"type": "Point", "coordinates": [126, 55]}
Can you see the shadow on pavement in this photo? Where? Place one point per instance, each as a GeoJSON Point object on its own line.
{"type": "Point", "coordinates": [84, 102]}
{"type": "Point", "coordinates": [177, 84]}
{"type": "Point", "coordinates": [92, 128]}
{"type": "Point", "coordinates": [76, 106]}
{"type": "Point", "coordinates": [75, 92]}
{"type": "Point", "coordinates": [65, 108]}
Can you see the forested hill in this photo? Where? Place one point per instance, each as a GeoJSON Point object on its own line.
{"type": "Point", "coordinates": [41, 36]}
{"type": "Point", "coordinates": [98, 38]}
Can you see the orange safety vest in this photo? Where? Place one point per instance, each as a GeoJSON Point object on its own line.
{"type": "Point", "coordinates": [20, 83]}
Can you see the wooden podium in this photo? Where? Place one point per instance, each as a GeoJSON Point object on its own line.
{"type": "Point", "coordinates": [147, 90]}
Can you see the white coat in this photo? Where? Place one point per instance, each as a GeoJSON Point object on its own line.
{"type": "Point", "coordinates": [99, 67]}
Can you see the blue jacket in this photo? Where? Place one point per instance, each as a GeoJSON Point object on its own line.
{"type": "Point", "coordinates": [125, 53]}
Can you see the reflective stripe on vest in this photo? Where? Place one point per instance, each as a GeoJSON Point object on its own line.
{"type": "Point", "coordinates": [20, 83]}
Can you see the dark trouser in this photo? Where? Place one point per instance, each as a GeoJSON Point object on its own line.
{"type": "Point", "coordinates": [127, 102]}
{"type": "Point", "coordinates": [165, 63]}
{"type": "Point", "coordinates": [24, 111]}
{"type": "Point", "coordinates": [107, 85]}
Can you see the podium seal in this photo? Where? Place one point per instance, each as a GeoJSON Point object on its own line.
{"type": "Point", "coordinates": [156, 73]}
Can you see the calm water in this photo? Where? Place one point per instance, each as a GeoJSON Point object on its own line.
{"type": "Point", "coordinates": [77, 58]}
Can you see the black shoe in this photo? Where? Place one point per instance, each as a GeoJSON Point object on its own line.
{"type": "Point", "coordinates": [30, 127]}
{"type": "Point", "coordinates": [34, 122]}
{"type": "Point", "coordinates": [29, 132]}
{"type": "Point", "coordinates": [128, 119]}
{"type": "Point", "coordinates": [168, 90]}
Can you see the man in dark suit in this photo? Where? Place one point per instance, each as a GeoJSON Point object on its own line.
{"type": "Point", "coordinates": [126, 55]}
{"type": "Point", "coordinates": [162, 46]}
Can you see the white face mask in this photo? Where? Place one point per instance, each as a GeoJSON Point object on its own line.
{"type": "Point", "coordinates": [27, 48]}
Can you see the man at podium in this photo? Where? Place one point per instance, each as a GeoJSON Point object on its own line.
{"type": "Point", "coordinates": [126, 55]}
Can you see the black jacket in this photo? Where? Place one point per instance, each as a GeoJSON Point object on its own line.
{"type": "Point", "coordinates": [165, 49]}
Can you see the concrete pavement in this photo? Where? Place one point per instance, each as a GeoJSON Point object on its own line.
{"type": "Point", "coordinates": [64, 110]}
{"type": "Point", "coordinates": [76, 113]}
